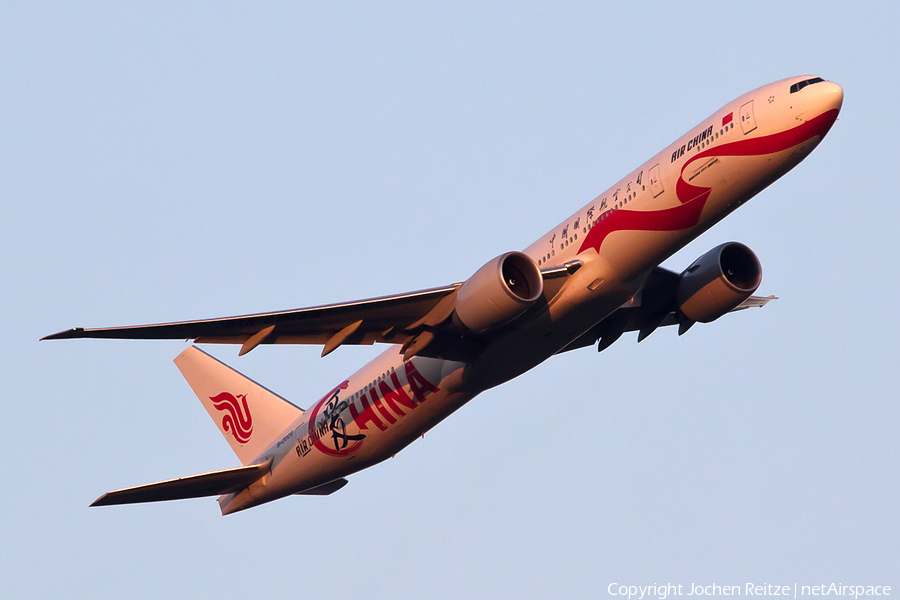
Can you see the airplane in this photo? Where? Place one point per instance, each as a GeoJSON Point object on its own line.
{"type": "Point", "coordinates": [587, 281]}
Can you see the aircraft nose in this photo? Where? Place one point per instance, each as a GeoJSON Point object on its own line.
{"type": "Point", "coordinates": [832, 96]}
{"type": "Point", "coordinates": [824, 97]}
{"type": "Point", "coordinates": [820, 102]}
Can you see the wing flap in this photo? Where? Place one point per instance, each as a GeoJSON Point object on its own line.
{"type": "Point", "coordinates": [754, 302]}
{"type": "Point", "coordinates": [214, 483]}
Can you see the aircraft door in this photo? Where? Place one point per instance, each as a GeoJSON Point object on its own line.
{"type": "Point", "coordinates": [748, 121]}
{"type": "Point", "coordinates": [656, 186]}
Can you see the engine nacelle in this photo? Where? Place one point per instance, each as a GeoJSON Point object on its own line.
{"type": "Point", "coordinates": [718, 282]}
{"type": "Point", "coordinates": [498, 292]}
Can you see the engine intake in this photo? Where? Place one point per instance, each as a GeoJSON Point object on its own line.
{"type": "Point", "coordinates": [718, 282]}
{"type": "Point", "coordinates": [498, 292]}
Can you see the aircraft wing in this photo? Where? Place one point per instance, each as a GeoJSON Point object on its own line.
{"type": "Point", "coordinates": [381, 319]}
{"type": "Point", "coordinates": [418, 321]}
{"type": "Point", "coordinates": [654, 307]}
{"type": "Point", "coordinates": [398, 319]}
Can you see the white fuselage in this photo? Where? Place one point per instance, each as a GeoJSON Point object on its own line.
{"type": "Point", "coordinates": [619, 237]}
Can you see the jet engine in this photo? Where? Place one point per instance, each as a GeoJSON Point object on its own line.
{"type": "Point", "coordinates": [498, 292]}
{"type": "Point", "coordinates": [718, 282]}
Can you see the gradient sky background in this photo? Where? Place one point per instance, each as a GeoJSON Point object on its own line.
{"type": "Point", "coordinates": [163, 161]}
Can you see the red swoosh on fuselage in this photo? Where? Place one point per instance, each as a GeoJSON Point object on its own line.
{"type": "Point", "coordinates": [693, 198]}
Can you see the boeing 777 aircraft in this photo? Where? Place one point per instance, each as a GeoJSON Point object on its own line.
{"type": "Point", "coordinates": [587, 281]}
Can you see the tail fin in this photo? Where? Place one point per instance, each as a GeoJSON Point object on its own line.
{"type": "Point", "coordinates": [247, 414]}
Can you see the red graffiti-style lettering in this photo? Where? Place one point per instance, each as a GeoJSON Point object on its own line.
{"type": "Point", "coordinates": [376, 410]}
{"type": "Point", "coordinates": [376, 402]}
{"type": "Point", "coordinates": [417, 383]}
{"type": "Point", "coordinates": [366, 416]}
{"type": "Point", "coordinates": [395, 395]}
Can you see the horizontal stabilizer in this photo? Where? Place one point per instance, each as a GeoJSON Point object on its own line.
{"type": "Point", "coordinates": [215, 483]}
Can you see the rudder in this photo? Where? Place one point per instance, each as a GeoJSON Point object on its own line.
{"type": "Point", "coordinates": [247, 414]}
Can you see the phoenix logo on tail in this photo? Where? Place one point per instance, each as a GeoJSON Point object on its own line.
{"type": "Point", "coordinates": [237, 419]}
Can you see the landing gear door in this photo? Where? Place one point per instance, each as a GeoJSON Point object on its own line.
{"type": "Point", "coordinates": [656, 186]}
{"type": "Point", "coordinates": [748, 121]}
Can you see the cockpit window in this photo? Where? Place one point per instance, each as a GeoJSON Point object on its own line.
{"type": "Point", "coordinates": [799, 86]}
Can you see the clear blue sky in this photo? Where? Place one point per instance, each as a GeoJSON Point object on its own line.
{"type": "Point", "coordinates": [164, 161]}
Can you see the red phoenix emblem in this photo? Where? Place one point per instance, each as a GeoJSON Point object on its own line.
{"type": "Point", "coordinates": [237, 419]}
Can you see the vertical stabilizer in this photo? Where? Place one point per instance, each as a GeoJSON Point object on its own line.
{"type": "Point", "coordinates": [247, 414]}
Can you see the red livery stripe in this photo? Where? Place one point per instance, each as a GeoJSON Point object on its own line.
{"type": "Point", "coordinates": [693, 198]}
